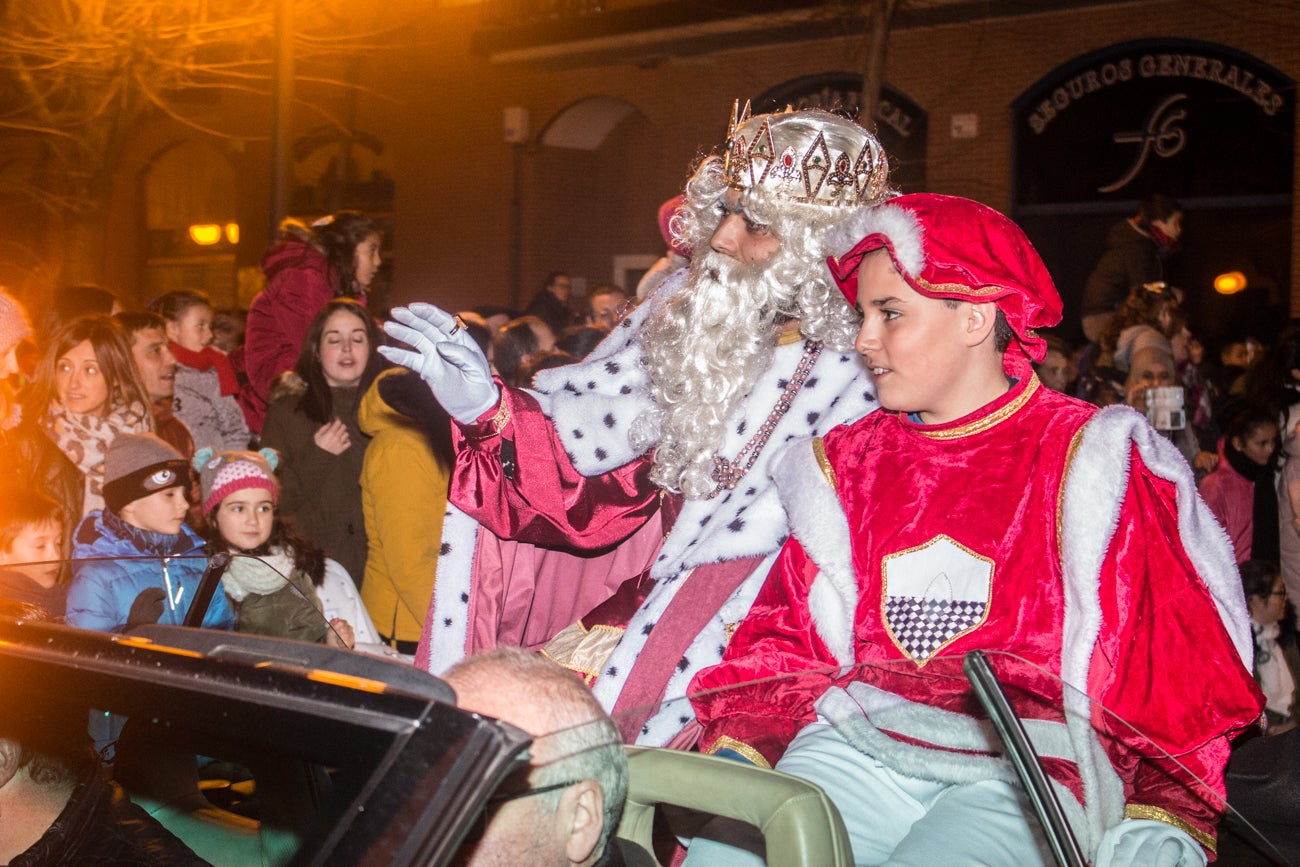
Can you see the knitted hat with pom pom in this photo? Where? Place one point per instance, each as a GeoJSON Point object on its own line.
{"type": "Point", "coordinates": [223, 473]}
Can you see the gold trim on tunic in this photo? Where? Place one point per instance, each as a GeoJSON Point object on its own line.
{"type": "Point", "coordinates": [1075, 442]}
{"type": "Point", "coordinates": [991, 420]}
{"type": "Point", "coordinates": [785, 338]}
{"type": "Point", "coordinates": [819, 452]}
{"type": "Point", "coordinates": [729, 743]}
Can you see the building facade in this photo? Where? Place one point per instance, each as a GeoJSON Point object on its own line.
{"type": "Point", "coordinates": [504, 140]}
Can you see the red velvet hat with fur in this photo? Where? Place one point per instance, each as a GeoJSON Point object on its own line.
{"type": "Point", "coordinates": [950, 247]}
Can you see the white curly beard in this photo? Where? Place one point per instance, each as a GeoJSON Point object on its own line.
{"type": "Point", "coordinates": [703, 354]}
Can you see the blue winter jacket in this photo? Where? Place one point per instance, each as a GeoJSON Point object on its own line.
{"type": "Point", "coordinates": [102, 591]}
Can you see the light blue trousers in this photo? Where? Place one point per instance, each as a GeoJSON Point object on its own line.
{"type": "Point", "coordinates": [898, 820]}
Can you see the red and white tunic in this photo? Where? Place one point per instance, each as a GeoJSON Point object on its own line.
{"type": "Point", "coordinates": [1038, 527]}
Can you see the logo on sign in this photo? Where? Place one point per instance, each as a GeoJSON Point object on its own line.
{"type": "Point", "coordinates": [1161, 135]}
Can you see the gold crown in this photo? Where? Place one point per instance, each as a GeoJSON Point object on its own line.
{"type": "Point", "coordinates": [788, 155]}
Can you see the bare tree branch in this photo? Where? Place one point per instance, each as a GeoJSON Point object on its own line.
{"type": "Point", "coordinates": [78, 77]}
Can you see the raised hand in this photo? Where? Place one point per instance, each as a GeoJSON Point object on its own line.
{"type": "Point", "coordinates": [445, 357]}
{"type": "Point", "coordinates": [333, 437]}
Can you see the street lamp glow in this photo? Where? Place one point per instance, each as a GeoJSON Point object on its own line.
{"type": "Point", "coordinates": [1230, 283]}
{"type": "Point", "coordinates": [205, 234]}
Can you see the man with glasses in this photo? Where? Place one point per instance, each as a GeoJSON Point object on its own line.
{"type": "Point", "coordinates": [562, 809]}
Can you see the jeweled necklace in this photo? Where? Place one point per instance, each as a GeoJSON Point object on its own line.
{"type": "Point", "coordinates": [728, 473]}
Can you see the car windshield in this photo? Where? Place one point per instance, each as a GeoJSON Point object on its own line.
{"type": "Point", "coordinates": [248, 747]}
{"type": "Point", "coordinates": [275, 772]}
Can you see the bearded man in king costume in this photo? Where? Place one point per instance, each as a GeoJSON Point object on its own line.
{"type": "Point", "coordinates": [619, 516]}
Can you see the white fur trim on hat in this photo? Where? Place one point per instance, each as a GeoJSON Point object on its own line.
{"type": "Point", "coordinates": [905, 235]}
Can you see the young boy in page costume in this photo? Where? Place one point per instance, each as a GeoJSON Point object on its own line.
{"type": "Point", "coordinates": [982, 511]}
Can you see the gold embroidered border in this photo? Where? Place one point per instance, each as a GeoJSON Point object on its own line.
{"type": "Point", "coordinates": [991, 420]}
{"type": "Point", "coordinates": [727, 743]}
{"type": "Point", "coordinates": [884, 596]}
{"type": "Point", "coordinates": [1075, 442]}
{"type": "Point", "coordinates": [1146, 811]}
{"type": "Point", "coordinates": [581, 650]}
{"type": "Point", "coordinates": [962, 289]}
{"type": "Point", "coordinates": [492, 427]}
{"type": "Point", "coordinates": [502, 414]}
{"type": "Point", "coordinates": [819, 452]}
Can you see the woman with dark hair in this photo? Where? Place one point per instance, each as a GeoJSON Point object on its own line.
{"type": "Point", "coordinates": [335, 257]}
{"type": "Point", "coordinates": [1240, 492]}
{"type": "Point", "coordinates": [1276, 660]}
{"type": "Point", "coordinates": [85, 393]}
{"type": "Point", "coordinates": [314, 427]}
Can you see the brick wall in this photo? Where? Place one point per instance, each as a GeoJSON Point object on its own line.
{"type": "Point", "coordinates": [438, 109]}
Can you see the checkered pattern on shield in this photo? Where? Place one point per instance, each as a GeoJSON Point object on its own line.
{"type": "Point", "coordinates": [922, 626]}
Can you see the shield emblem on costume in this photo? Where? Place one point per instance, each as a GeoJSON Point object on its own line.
{"type": "Point", "coordinates": [933, 594]}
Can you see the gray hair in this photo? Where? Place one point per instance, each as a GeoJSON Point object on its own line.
{"type": "Point", "coordinates": [573, 737]}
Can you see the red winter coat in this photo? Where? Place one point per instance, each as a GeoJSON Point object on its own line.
{"type": "Point", "coordinates": [299, 282]}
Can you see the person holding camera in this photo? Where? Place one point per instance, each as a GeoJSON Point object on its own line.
{"type": "Point", "coordinates": [1153, 390]}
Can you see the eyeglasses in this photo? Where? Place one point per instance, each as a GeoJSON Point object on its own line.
{"type": "Point", "coordinates": [498, 800]}
{"type": "Point", "coordinates": [477, 830]}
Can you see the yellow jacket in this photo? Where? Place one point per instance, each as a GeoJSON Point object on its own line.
{"type": "Point", "coordinates": [404, 482]}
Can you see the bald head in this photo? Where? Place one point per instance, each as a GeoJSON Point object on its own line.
{"type": "Point", "coordinates": [524, 689]}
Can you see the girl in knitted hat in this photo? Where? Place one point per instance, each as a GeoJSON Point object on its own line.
{"type": "Point", "coordinates": [275, 577]}
{"type": "Point", "coordinates": [206, 384]}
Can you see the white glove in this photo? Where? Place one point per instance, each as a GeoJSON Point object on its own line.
{"type": "Point", "coordinates": [1147, 843]}
{"type": "Point", "coordinates": [446, 358]}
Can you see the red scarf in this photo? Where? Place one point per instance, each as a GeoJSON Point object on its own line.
{"type": "Point", "coordinates": [206, 359]}
{"type": "Point", "coordinates": [1164, 244]}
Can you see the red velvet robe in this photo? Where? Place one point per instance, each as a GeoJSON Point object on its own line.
{"type": "Point", "coordinates": [976, 506]}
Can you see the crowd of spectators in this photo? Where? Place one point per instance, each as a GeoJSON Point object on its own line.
{"type": "Point", "coordinates": [354, 456]}
{"type": "Point", "coordinates": [137, 443]}
{"type": "Point", "coordinates": [1235, 416]}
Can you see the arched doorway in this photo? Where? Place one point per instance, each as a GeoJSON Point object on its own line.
{"type": "Point", "coordinates": [581, 209]}
{"type": "Point", "coordinates": [190, 219]}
